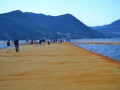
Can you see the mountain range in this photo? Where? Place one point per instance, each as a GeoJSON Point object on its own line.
{"type": "Point", "coordinates": [27, 25]}
{"type": "Point", "coordinates": [111, 30]}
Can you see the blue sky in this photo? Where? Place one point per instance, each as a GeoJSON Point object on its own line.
{"type": "Point", "coordinates": [90, 12]}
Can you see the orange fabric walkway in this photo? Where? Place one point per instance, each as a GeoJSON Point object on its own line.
{"type": "Point", "coordinates": [57, 67]}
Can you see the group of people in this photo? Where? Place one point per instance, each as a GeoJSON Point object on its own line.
{"type": "Point", "coordinates": [42, 41]}
{"type": "Point", "coordinates": [35, 42]}
{"type": "Point", "coordinates": [16, 43]}
{"type": "Point", "coordinates": [38, 41]}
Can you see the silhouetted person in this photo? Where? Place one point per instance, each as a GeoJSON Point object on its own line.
{"type": "Point", "coordinates": [31, 42]}
{"type": "Point", "coordinates": [8, 46]}
{"type": "Point", "coordinates": [16, 43]}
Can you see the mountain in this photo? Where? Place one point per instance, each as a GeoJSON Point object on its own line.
{"type": "Point", "coordinates": [111, 30]}
{"type": "Point", "coordinates": [30, 25]}
{"type": "Point", "coordinates": [98, 27]}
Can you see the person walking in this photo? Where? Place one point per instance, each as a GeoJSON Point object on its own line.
{"type": "Point", "coordinates": [48, 41]}
{"type": "Point", "coordinates": [42, 42]}
{"type": "Point", "coordinates": [37, 42]}
{"type": "Point", "coordinates": [8, 46]}
{"type": "Point", "coordinates": [31, 42]}
{"type": "Point", "coordinates": [16, 43]}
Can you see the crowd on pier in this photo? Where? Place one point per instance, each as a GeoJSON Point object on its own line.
{"type": "Point", "coordinates": [34, 42]}
{"type": "Point", "coordinates": [43, 41]}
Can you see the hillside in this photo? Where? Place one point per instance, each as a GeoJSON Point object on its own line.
{"type": "Point", "coordinates": [30, 25]}
{"type": "Point", "coordinates": [111, 30]}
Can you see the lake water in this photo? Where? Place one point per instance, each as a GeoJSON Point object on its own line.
{"type": "Point", "coordinates": [108, 50]}
{"type": "Point", "coordinates": [96, 40]}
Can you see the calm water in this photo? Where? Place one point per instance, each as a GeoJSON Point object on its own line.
{"type": "Point", "coordinates": [109, 50]}
{"type": "Point", "coordinates": [96, 40]}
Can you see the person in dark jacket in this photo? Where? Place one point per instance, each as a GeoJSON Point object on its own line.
{"type": "Point", "coordinates": [16, 43]}
{"type": "Point", "coordinates": [8, 46]}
